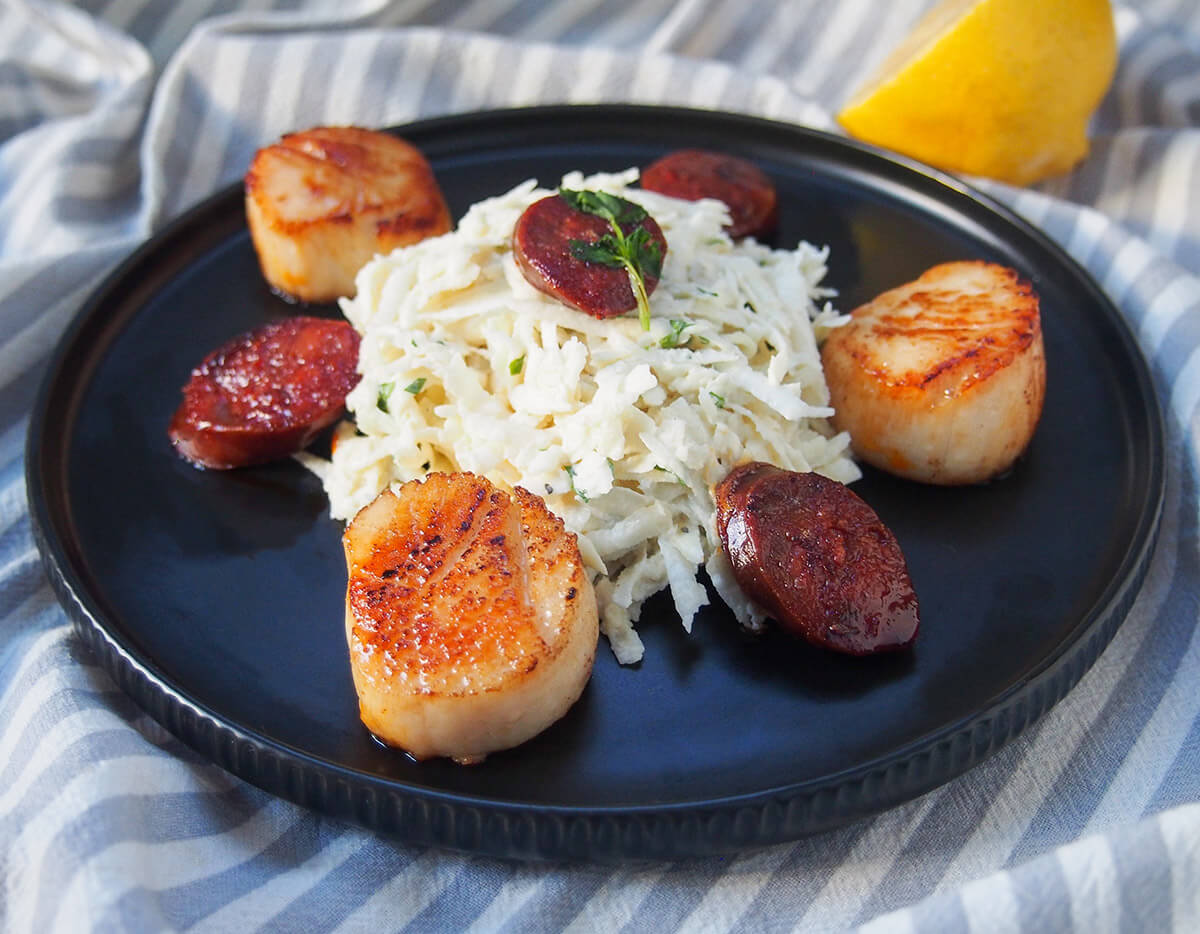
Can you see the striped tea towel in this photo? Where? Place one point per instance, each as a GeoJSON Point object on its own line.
{"type": "Point", "coordinates": [116, 115]}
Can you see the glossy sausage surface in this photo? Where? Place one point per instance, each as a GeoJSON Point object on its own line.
{"type": "Point", "coordinates": [692, 174]}
{"type": "Point", "coordinates": [267, 393]}
{"type": "Point", "coordinates": [542, 248]}
{"type": "Point", "coordinates": [817, 558]}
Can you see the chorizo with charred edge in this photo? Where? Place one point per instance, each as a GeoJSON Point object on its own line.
{"type": "Point", "coordinates": [817, 559]}
{"type": "Point", "coordinates": [266, 393]}
{"type": "Point", "coordinates": [546, 245]}
{"type": "Point", "coordinates": [692, 174]}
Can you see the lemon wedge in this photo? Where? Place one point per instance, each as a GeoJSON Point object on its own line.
{"type": "Point", "coordinates": [999, 88]}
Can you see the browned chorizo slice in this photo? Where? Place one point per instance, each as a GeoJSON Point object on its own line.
{"type": "Point", "coordinates": [817, 559]}
{"type": "Point", "coordinates": [267, 393]}
{"type": "Point", "coordinates": [542, 242]}
{"type": "Point", "coordinates": [692, 174]}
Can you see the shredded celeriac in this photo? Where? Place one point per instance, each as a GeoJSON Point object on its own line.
{"type": "Point", "coordinates": [624, 432]}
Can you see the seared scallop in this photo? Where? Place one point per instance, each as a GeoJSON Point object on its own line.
{"type": "Point", "coordinates": [471, 621]}
{"type": "Point", "coordinates": [942, 379]}
{"type": "Point", "coordinates": [322, 202]}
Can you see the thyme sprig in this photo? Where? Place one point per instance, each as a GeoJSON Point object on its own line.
{"type": "Point", "coordinates": [637, 251]}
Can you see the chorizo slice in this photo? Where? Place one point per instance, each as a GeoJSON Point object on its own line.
{"type": "Point", "coordinates": [692, 174]}
{"type": "Point", "coordinates": [266, 393]}
{"type": "Point", "coordinates": [542, 241]}
{"type": "Point", "coordinates": [817, 558]}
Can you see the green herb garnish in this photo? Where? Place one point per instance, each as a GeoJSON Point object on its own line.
{"type": "Point", "coordinates": [385, 393]}
{"type": "Point", "coordinates": [416, 385]}
{"type": "Point", "coordinates": [678, 479]}
{"type": "Point", "coordinates": [571, 476]}
{"type": "Point", "coordinates": [719, 401]}
{"type": "Point", "coordinates": [638, 252]}
{"type": "Point", "coordinates": [515, 366]}
{"type": "Point", "coordinates": [672, 339]}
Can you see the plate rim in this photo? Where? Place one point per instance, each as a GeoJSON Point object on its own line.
{"type": "Point", "coordinates": [464, 821]}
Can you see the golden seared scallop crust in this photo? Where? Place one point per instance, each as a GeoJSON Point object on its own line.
{"type": "Point", "coordinates": [471, 621]}
{"type": "Point", "coordinates": [941, 380]}
{"type": "Point", "coordinates": [320, 203]}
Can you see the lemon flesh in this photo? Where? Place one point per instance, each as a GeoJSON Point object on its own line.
{"type": "Point", "coordinates": [999, 88]}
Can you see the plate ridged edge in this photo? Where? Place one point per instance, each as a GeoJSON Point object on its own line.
{"type": "Point", "coordinates": [602, 834]}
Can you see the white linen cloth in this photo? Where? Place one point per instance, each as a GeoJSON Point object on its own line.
{"type": "Point", "coordinates": [116, 115]}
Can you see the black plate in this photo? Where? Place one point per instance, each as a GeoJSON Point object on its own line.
{"type": "Point", "coordinates": [215, 598]}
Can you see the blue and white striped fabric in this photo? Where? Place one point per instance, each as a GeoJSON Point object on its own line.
{"type": "Point", "coordinates": [116, 115]}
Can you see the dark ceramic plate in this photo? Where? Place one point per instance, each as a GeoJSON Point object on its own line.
{"type": "Point", "coordinates": [215, 599]}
